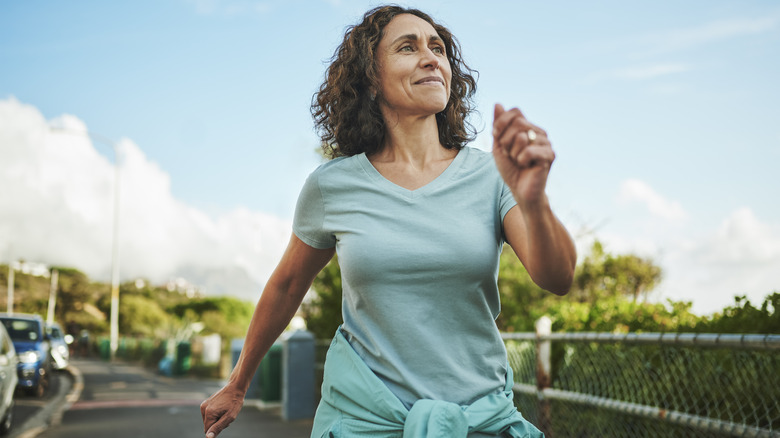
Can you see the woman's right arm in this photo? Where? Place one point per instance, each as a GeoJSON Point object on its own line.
{"type": "Point", "coordinates": [280, 300]}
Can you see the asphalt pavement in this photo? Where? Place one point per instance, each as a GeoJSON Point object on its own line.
{"type": "Point", "coordinates": [118, 400]}
{"type": "Point", "coordinates": [32, 413]}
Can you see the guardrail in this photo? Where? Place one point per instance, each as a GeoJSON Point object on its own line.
{"type": "Point", "coordinates": [643, 384]}
{"type": "Point", "coordinates": [648, 384]}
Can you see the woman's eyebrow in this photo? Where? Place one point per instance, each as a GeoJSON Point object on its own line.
{"type": "Point", "coordinates": [413, 37]}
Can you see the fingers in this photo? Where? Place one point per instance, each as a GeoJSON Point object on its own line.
{"type": "Point", "coordinates": [214, 420]}
{"type": "Point", "coordinates": [533, 156]}
{"type": "Point", "coordinates": [497, 111]}
{"type": "Point", "coordinates": [517, 138]}
{"type": "Point", "coordinates": [218, 427]}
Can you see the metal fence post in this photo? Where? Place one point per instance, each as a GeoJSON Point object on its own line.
{"type": "Point", "coordinates": [543, 372]}
{"type": "Point", "coordinates": [297, 375]}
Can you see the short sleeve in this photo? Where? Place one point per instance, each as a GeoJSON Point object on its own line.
{"type": "Point", "coordinates": [506, 202]}
{"type": "Point", "coordinates": [310, 216]}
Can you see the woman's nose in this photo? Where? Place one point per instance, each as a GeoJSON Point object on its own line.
{"type": "Point", "coordinates": [429, 59]}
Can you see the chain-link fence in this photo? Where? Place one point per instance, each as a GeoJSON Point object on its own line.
{"type": "Point", "coordinates": [648, 385]}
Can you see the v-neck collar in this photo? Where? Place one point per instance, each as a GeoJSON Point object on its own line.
{"type": "Point", "coordinates": [442, 178]}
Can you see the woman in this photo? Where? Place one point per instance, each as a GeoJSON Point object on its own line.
{"type": "Point", "coordinates": [418, 221]}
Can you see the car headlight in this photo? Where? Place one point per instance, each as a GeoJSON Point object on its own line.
{"type": "Point", "coordinates": [29, 357]}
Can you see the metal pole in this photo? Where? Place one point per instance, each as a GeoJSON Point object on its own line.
{"type": "Point", "coordinates": [114, 318]}
{"type": "Point", "coordinates": [115, 262]}
{"type": "Point", "coordinates": [543, 372]}
{"type": "Point", "coordinates": [11, 287]}
{"type": "Point", "coordinates": [55, 275]}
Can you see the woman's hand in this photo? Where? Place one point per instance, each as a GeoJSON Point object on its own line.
{"type": "Point", "coordinates": [523, 155]}
{"type": "Point", "coordinates": [219, 410]}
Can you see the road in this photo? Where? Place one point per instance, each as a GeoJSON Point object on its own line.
{"type": "Point", "coordinates": [123, 401]}
{"type": "Point", "coordinates": [33, 412]}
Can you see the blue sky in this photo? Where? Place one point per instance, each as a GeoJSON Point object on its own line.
{"type": "Point", "coordinates": [663, 115]}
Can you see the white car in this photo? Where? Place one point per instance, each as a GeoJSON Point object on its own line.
{"type": "Point", "coordinates": [8, 381]}
{"type": "Point", "coordinates": [60, 352]}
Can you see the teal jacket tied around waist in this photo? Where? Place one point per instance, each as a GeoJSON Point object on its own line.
{"type": "Point", "coordinates": [356, 403]}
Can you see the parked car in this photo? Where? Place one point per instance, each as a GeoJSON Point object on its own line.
{"type": "Point", "coordinates": [8, 380]}
{"type": "Point", "coordinates": [33, 350]}
{"type": "Point", "coordinates": [60, 351]}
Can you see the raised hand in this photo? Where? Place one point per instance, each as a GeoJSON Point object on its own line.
{"type": "Point", "coordinates": [523, 155]}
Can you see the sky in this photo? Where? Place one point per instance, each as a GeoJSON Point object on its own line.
{"type": "Point", "coordinates": [663, 115]}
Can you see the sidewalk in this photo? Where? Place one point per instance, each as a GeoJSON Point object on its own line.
{"type": "Point", "coordinates": [122, 400]}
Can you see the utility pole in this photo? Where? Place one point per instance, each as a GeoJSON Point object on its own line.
{"type": "Point", "coordinates": [114, 318]}
{"type": "Point", "coordinates": [114, 339]}
{"type": "Point", "coordinates": [11, 287]}
{"type": "Point", "coordinates": [55, 275]}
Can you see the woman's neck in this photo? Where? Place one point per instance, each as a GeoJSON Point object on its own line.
{"type": "Point", "coordinates": [412, 155]}
{"type": "Point", "coordinates": [412, 140]}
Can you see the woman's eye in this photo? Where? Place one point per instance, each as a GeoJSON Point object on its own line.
{"type": "Point", "coordinates": [406, 49]}
{"type": "Point", "coordinates": [438, 50]}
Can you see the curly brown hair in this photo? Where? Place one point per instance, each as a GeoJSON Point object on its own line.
{"type": "Point", "coordinates": [346, 117]}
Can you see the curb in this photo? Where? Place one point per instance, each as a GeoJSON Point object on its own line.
{"type": "Point", "coordinates": [72, 396]}
{"type": "Point", "coordinates": [51, 415]}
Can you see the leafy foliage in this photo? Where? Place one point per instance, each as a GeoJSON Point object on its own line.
{"type": "Point", "coordinates": [604, 297]}
{"type": "Point", "coordinates": [323, 311]}
{"type": "Point", "coordinates": [139, 316]}
{"type": "Point", "coordinates": [602, 275]}
{"type": "Point", "coordinates": [743, 317]}
{"type": "Point", "coordinates": [227, 316]}
{"type": "Point", "coordinates": [144, 310]}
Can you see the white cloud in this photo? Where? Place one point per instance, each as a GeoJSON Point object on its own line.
{"type": "Point", "coordinates": [649, 71]}
{"type": "Point", "coordinates": [742, 239]}
{"type": "Point", "coordinates": [56, 207]}
{"type": "Point", "coordinates": [707, 266]}
{"type": "Point", "coordinates": [741, 257]}
{"type": "Point", "coordinates": [634, 190]}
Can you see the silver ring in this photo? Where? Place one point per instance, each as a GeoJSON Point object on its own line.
{"type": "Point", "coordinates": [531, 135]}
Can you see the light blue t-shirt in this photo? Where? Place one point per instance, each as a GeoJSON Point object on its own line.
{"type": "Point", "coordinates": [419, 271]}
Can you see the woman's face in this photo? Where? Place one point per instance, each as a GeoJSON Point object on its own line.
{"type": "Point", "coordinates": [414, 72]}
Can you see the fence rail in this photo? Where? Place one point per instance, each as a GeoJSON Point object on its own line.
{"type": "Point", "coordinates": [753, 342]}
{"type": "Point", "coordinates": [644, 384]}
{"type": "Point", "coordinates": [649, 384]}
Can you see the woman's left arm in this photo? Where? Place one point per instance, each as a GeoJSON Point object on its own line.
{"type": "Point", "coordinates": [523, 155]}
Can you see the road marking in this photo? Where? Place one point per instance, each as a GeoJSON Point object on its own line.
{"type": "Point", "coordinates": [32, 433]}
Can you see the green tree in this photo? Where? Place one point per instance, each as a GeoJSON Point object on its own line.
{"type": "Point", "coordinates": [226, 316]}
{"type": "Point", "coordinates": [141, 316]}
{"type": "Point", "coordinates": [323, 311]}
{"type": "Point", "coordinates": [602, 275]}
{"type": "Point", "coordinates": [75, 293]}
{"type": "Point", "coordinates": [744, 317]}
{"type": "Point", "coordinates": [604, 297]}
{"type": "Point", "coordinates": [522, 301]}
{"type": "Point", "coordinates": [72, 291]}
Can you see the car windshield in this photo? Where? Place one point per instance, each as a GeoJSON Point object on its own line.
{"type": "Point", "coordinates": [21, 330]}
{"type": "Point", "coordinates": [55, 332]}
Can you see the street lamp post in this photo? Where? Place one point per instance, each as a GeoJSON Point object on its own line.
{"type": "Point", "coordinates": [114, 317]}
{"type": "Point", "coordinates": [11, 269]}
{"type": "Point", "coordinates": [114, 342]}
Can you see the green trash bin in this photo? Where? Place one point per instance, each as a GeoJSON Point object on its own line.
{"type": "Point", "coordinates": [183, 358]}
{"type": "Point", "coordinates": [104, 346]}
{"type": "Point", "coordinates": [270, 373]}
{"type": "Point", "coordinates": [121, 350]}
